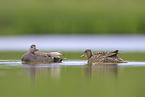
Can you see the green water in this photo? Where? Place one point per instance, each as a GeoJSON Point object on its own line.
{"type": "Point", "coordinates": [132, 56]}
{"type": "Point", "coordinates": [65, 80]}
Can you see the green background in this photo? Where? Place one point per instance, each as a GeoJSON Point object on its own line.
{"type": "Point", "coordinates": [18, 17]}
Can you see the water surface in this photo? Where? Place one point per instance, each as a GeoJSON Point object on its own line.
{"type": "Point", "coordinates": [72, 78]}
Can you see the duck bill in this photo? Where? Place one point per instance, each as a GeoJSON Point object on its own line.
{"type": "Point", "coordinates": [82, 56]}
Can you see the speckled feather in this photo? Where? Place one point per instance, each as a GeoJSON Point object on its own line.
{"type": "Point", "coordinates": [106, 57]}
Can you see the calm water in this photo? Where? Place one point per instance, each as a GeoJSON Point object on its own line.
{"type": "Point", "coordinates": [72, 78]}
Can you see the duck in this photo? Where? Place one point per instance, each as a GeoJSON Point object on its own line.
{"type": "Point", "coordinates": [33, 55]}
{"type": "Point", "coordinates": [103, 57]}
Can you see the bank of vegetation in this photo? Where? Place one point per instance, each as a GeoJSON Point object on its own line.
{"type": "Point", "coordinates": [18, 17]}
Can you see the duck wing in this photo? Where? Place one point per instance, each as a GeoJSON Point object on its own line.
{"type": "Point", "coordinates": [98, 57]}
{"type": "Point", "coordinates": [41, 54]}
{"type": "Point", "coordinates": [54, 54]}
{"type": "Point", "coordinates": [107, 54]}
{"type": "Point", "coordinates": [51, 54]}
{"type": "Point", "coordinates": [114, 53]}
{"type": "Point", "coordinates": [100, 53]}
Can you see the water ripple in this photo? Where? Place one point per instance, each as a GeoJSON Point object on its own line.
{"type": "Point", "coordinates": [65, 63]}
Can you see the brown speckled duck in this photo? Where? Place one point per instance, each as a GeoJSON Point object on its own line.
{"type": "Point", "coordinates": [34, 56]}
{"type": "Point", "coordinates": [103, 57]}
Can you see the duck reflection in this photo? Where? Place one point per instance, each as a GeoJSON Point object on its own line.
{"type": "Point", "coordinates": [49, 70]}
{"type": "Point", "coordinates": [95, 69]}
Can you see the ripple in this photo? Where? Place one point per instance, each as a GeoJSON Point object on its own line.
{"type": "Point", "coordinates": [132, 64]}
{"type": "Point", "coordinates": [64, 63]}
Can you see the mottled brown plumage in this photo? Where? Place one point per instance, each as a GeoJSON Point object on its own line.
{"type": "Point", "coordinates": [104, 57]}
{"type": "Point", "coordinates": [34, 56]}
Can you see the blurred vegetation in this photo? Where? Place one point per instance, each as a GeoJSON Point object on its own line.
{"type": "Point", "coordinates": [19, 17]}
{"type": "Point", "coordinates": [128, 56]}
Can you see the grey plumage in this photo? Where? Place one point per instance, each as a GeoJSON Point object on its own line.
{"type": "Point", "coordinates": [34, 56]}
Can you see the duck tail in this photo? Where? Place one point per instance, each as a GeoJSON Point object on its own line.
{"type": "Point", "coordinates": [116, 51]}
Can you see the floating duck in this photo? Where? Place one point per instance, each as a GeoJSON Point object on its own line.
{"type": "Point", "coordinates": [103, 57]}
{"type": "Point", "coordinates": [34, 56]}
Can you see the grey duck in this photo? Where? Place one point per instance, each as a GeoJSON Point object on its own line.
{"type": "Point", "coordinates": [34, 56]}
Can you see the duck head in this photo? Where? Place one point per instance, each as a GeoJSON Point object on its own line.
{"type": "Point", "coordinates": [88, 54]}
{"type": "Point", "coordinates": [33, 49]}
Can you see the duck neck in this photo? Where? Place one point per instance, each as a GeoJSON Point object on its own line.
{"type": "Point", "coordinates": [31, 51]}
{"type": "Point", "coordinates": [89, 54]}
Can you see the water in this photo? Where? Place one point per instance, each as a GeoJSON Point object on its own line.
{"type": "Point", "coordinates": [72, 78]}
{"type": "Point", "coordinates": [74, 42]}
{"type": "Point", "coordinates": [65, 63]}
